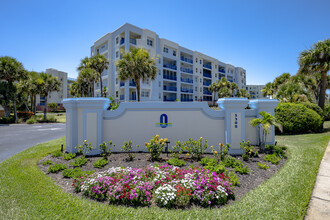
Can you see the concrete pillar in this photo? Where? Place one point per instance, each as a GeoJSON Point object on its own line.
{"type": "Point", "coordinates": [234, 122]}
{"type": "Point", "coordinates": [84, 122]}
{"type": "Point", "coordinates": [267, 105]}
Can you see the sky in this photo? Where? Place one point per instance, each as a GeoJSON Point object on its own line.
{"type": "Point", "coordinates": [264, 37]}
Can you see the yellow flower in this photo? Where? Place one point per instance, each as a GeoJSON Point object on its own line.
{"type": "Point", "coordinates": [187, 154]}
{"type": "Point", "coordinates": [221, 145]}
{"type": "Point", "coordinates": [201, 138]}
{"type": "Point", "coordinates": [215, 152]}
{"type": "Point", "coordinates": [165, 140]}
{"type": "Point", "coordinates": [186, 148]}
{"type": "Point", "coordinates": [147, 144]}
{"type": "Point", "coordinates": [157, 136]}
{"type": "Point", "coordinates": [85, 141]}
{"type": "Point", "coordinates": [156, 142]}
{"type": "Point", "coordinates": [161, 140]}
{"type": "Point", "coordinates": [212, 146]}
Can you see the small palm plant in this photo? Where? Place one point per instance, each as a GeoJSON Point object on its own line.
{"type": "Point", "coordinates": [265, 123]}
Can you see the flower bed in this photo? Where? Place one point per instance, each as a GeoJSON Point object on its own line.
{"type": "Point", "coordinates": [166, 186]}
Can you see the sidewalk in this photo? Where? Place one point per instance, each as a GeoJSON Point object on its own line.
{"type": "Point", "coordinates": [319, 206]}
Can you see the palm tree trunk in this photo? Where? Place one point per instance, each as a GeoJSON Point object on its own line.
{"type": "Point", "coordinates": [138, 88]}
{"type": "Point", "coordinates": [101, 85]}
{"type": "Point", "coordinates": [34, 105]}
{"type": "Point", "coordinates": [14, 105]}
{"type": "Point", "coordinates": [45, 109]}
{"type": "Point", "coordinates": [323, 88]}
{"type": "Point", "coordinates": [6, 107]}
{"type": "Point", "coordinates": [213, 98]}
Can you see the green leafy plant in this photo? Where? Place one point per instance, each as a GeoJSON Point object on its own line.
{"type": "Point", "coordinates": [57, 153]}
{"type": "Point", "coordinates": [100, 163]}
{"type": "Point", "coordinates": [113, 104]}
{"type": "Point", "coordinates": [78, 162]}
{"type": "Point", "coordinates": [245, 157]}
{"type": "Point", "coordinates": [242, 170]}
{"type": "Point", "coordinates": [127, 148]}
{"type": "Point", "coordinates": [176, 162]}
{"type": "Point", "coordinates": [155, 147]}
{"type": "Point", "coordinates": [208, 161]}
{"type": "Point", "coordinates": [263, 166]}
{"type": "Point", "coordinates": [196, 148]}
{"type": "Point", "coordinates": [105, 149]}
{"type": "Point", "coordinates": [55, 168]}
{"type": "Point", "coordinates": [84, 149]}
{"type": "Point", "coordinates": [31, 121]}
{"type": "Point", "coordinates": [76, 173]}
{"type": "Point", "coordinates": [218, 168]}
{"type": "Point", "coordinates": [222, 153]}
{"type": "Point", "coordinates": [69, 156]}
{"type": "Point", "coordinates": [277, 150]}
{"type": "Point", "coordinates": [233, 179]}
{"type": "Point", "coordinates": [232, 162]}
{"type": "Point", "coordinates": [176, 149]}
{"type": "Point", "coordinates": [47, 162]}
{"type": "Point", "coordinates": [249, 150]}
{"type": "Point", "coordinates": [272, 158]}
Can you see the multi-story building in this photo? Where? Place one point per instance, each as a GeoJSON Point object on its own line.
{"type": "Point", "coordinates": [255, 91]}
{"type": "Point", "coordinates": [56, 97]}
{"type": "Point", "coordinates": [183, 74]}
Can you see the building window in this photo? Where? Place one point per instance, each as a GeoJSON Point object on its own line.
{"type": "Point", "coordinates": [117, 94]}
{"type": "Point", "coordinates": [159, 73]}
{"type": "Point", "coordinates": [165, 50]}
{"type": "Point", "coordinates": [117, 40]}
{"type": "Point", "coordinates": [160, 96]}
{"type": "Point", "coordinates": [195, 98]}
{"type": "Point", "coordinates": [160, 84]}
{"type": "Point", "coordinates": [117, 54]}
{"type": "Point", "coordinates": [174, 53]}
{"type": "Point", "coordinates": [200, 61]}
{"type": "Point", "coordinates": [196, 88]}
{"type": "Point", "coordinates": [116, 80]}
{"type": "Point", "coordinates": [148, 81]}
{"type": "Point", "coordinates": [216, 75]}
{"type": "Point", "coordinates": [196, 60]}
{"type": "Point", "coordinates": [196, 70]}
{"type": "Point", "coordinates": [149, 42]}
{"type": "Point", "coordinates": [200, 80]}
{"type": "Point", "coordinates": [201, 89]}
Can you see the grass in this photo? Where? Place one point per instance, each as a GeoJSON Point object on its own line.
{"type": "Point", "coordinates": [60, 117]}
{"type": "Point", "coordinates": [26, 192]}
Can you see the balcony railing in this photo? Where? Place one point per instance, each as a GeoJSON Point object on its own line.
{"type": "Point", "coordinates": [122, 97]}
{"type": "Point", "coordinates": [187, 90]}
{"type": "Point", "coordinates": [132, 83]}
{"type": "Point", "coordinates": [221, 70]}
{"type": "Point", "coordinates": [185, 59]}
{"type": "Point", "coordinates": [186, 100]}
{"type": "Point", "coordinates": [187, 80]}
{"type": "Point", "coordinates": [132, 97]}
{"type": "Point", "coordinates": [205, 92]}
{"type": "Point", "coordinates": [169, 66]}
{"type": "Point", "coordinates": [206, 83]}
{"type": "Point", "coordinates": [169, 99]}
{"type": "Point", "coordinates": [207, 75]}
{"type": "Point", "coordinates": [122, 41]}
{"type": "Point", "coordinates": [170, 88]}
{"type": "Point", "coordinates": [207, 66]}
{"type": "Point", "coordinates": [186, 70]}
{"type": "Point", "coordinates": [165, 76]}
{"type": "Point", "coordinates": [207, 98]}
{"type": "Point", "coordinates": [132, 41]}
{"type": "Point", "coordinates": [122, 84]}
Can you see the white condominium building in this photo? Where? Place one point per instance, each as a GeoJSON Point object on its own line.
{"type": "Point", "coordinates": [183, 74]}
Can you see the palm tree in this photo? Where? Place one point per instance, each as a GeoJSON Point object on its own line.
{"type": "Point", "coordinates": [49, 84]}
{"type": "Point", "coordinates": [317, 60]}
{"type": "Point", "coordinates": [265, 123]}
{"type": "Point", "coordinates": [268, 90]}
{"type": "Point", "coordinates": [99, 64]}
{"type": "Point", "coordinates": [242, 93]}
{"type": "Point", "coordinates": [137, 64]}
{"type": "Point", "coordinates": [224, 88]}
{"type": "Point", "coordinates": [86, 79]}
{"type": "Point", "coordinates": [213, 88]}
{"type": "Point", "coordinates": [10, 71]}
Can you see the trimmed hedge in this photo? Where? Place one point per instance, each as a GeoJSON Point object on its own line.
{"type": "Point", "coordinates": [327, 112]}
{"type": "Point", "coordinates": [7, 120]}
{"type": "Point", "coordinates": [297, 119]}
{"type": "Point", "coordinates": [314, 107]}
{"type": "Point", "coordinates": [25, 115]}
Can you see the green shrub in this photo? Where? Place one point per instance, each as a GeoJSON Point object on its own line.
{"type": "Point", "coordinates": [218, 168]}
{"type": "Point", "coordinates": [245, 157]}
{"type": "Point", "coordinates": [232, 162]}
{"type": "Point", "coordinates": [196, 148]}
{"type": "Point", "coordinates": [78, 162]}
{"type": "Point", "coordinates": [105, 150]}
{"type": "Point", "coordinates": [296, 118]}
{"type": "Point", "coordinates": [272, 158]}
{"type": "Point", "coordinates": [76, 173]}
{"type": "Point", "coordinates": [25, 115]}
{"type": "Point", "coordinates": [277, 150]}
{"type": "Point", "coordinates": [242, 170]}
{"type": "Point", "coordinates": [233, 179]}
{"type": "Point", "coordinates": [176, 162]}
{"type": "Point", "coordinates": [222, 153]}
{"type": "Point", "coordinates": [155, 147]}
{"type": "Point", "coordinates": [127, 148]}
{"type": "Point", "coordinates": [314, 107]}
{"type": "Point", "coordinates": [7, 120]}
{"type": "Point", "coordinates": [69, 156]}
{"type": "Point", "coordinates": [249, 150]}
{"type": "Point", "coordinates": [177, 149]}
{"type": "Point", "coordinates": [207, 160]}
{"type": "Point", "coordinates": [55, 168]}
{"type": "Point", "coordinates": [263, 166]}
{"type": "Point", "coordinates": [84, 149]}
{"type": "Point", "coordinates": [47, 162]}
{"type": "Point", "coordinates": [57, 153]}
{"type": "Point", "coordinates": [100, 163]}
{"type": "Point", "coordinates": [31, 121]}
{"type": "Point", "coordinates": [326, 112]}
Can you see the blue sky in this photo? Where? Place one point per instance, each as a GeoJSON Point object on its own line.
{"type": "Point", "coordinates": [265, 37]}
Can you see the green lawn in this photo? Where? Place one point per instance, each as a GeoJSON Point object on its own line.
{"type": "Point", "coordinates": [60, 117]}
{"type": "Point", "coordinates": [26, 192]}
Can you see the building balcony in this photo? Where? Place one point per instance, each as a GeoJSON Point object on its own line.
{"type": "Point", "coordinates": [187, 60]}
{"type": "Point", "coordinates": [169, 66]}
{"type": "Point", "coordinates": [132, 41]}
{"type": "Point", "coordinates": [169, 99]}
{"type": "Point", "coordinates": [122, 97]}
{"type": "Point", "coordinates": [132, 83]}
{"type": "Point", "coordinates": [122, 84]}
{"type": "Point", "coordinates": [207, 98]}
{"type": "Point", "coordinates": [205, 92]}
{"type": "Point", "coordinates": [207, 75]}
{"type": "Point", "coordinates": [132, 97]}
{"type": "Point", "coordinates": [187, 90]}
{"type": "Point", "coordinates": [169, 88]}
{"type": "Point", "coordinates": [186, 100]}
{"type": "Point", "coordinates": [221, 71]}
{"type": "Point", "coordinates": [187, 80]}
{"type": "Point", "coordinates": [165, 76]}
{"type": "Point", "coordinates": [186, 70]}
{"type": "Point", "coordinates": [207, 66]}
{"type": "Point", "coordinates": [206, 83]}
{"type": "Point", "coordinates": [122, 41]}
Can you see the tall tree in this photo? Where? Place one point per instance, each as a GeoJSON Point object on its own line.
{"type": "Point", "coordinates": [136, 65]}
{"type": "Point", "coordinates": [11, 70]}
{"type": "Point", "coordinates": [48, 84]}
{"type": "Point", "coordinates": [317, 60]}
{"type": "Point", "coordinates": [242, 93]}
{"type": "Point", "coordinates": [268, 90]}
{"type": "Point", "coordinates": [226, 88]}
{"type": "Point", "coordinates": [213, 88]}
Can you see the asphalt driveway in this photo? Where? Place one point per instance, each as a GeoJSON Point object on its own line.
{"type": "Point", "coordinates": [16, 138]}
